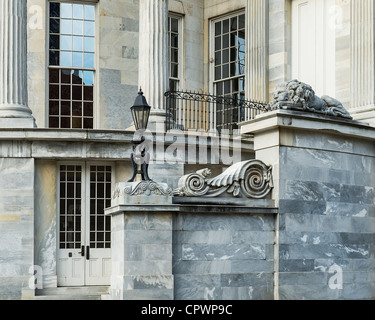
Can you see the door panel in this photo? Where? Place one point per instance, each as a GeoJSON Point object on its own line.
{"type": "Point", "coordinates": [84, 193]}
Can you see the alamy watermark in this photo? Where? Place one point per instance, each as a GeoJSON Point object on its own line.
{"type": "Point", "coordinates": [191, 147]}
{"type": "Point", "coordinates": [36, 280]}
{"type": "Point", "coordinates": [335, 282]}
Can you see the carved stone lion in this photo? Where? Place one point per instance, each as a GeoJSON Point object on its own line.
{"type": "Point", "coordinates": [297, 95]}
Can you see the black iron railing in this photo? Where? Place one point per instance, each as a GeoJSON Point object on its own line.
{"type": "Point", "coordinates": [198, 111]}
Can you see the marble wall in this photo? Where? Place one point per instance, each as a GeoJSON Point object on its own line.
{"type": "Point", "coordinates": [223, 256]}
{"type": "Point", "coordinates": [16, 225]}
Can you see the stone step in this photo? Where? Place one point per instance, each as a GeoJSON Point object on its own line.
{"type": "Point", "coordinates": [72, 293]}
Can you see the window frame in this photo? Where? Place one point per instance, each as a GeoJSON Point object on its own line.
{"type": "Point", "coordinates": [180, 73]}
{"type": "Point", "coordinates": [59, 67]}
{"type": "Point", "coordinates": [212, 22]}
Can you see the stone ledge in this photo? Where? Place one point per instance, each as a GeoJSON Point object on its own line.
{"type": "Point", "coordinates": [307, 121]}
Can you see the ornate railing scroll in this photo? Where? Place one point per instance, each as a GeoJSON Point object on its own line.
{"type": "Point", "coordinates": [199, 111]}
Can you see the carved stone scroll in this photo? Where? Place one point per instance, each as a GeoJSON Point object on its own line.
{"type": "Point", "coordinates": [249, 179]}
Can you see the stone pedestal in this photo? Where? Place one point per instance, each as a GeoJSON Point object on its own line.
{"type": "Point", "coordinates": [323, 173]}
{"type": "Point", "coordinates": [142, 242]}
{"type": "Point", "coordinates": [14, 112]}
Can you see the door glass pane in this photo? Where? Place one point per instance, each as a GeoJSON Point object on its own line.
{"type": "Point", "coordinates": [70, 207]}
{"type": "Point", "coordinates": [100, 198]}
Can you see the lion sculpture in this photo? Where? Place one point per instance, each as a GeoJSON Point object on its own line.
{"type": "Point", "coordinates": [297, 95]}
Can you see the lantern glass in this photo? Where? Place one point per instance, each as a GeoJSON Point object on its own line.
{"type": "Point", "coordinates": [140, 116]}
{"type": "Point", "coordinates": [140, 111]}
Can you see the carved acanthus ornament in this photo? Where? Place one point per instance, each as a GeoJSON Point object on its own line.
{"type": "Point", "coordinates": [249, 179]}
{"type": "Point", "coordinates": [146, 188]}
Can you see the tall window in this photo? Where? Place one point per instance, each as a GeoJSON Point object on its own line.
{"type": "Point", "coordinates": [174, 38]}
{"type": "Point", "coordinates": [229, 67]}
{"type": "Point", "coordinates": [71, 65]}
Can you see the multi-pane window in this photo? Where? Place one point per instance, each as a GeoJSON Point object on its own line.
{"type": "Point", "coordinates": [229, 66]}
{"type": "Point", "coordinates": [174, 52]}
{"type": "Point", "coordinates": [71, 65]}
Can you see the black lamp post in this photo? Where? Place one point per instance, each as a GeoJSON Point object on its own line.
{"type": "Point", "coordinates": [140, 157]}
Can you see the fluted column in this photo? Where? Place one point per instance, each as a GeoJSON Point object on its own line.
{"type": "Point", "coordinates": [153, 53]}
{"type": "Point", "coordinates": [257, 55]}
{"type": "Point", "coordinates": [362, 89]}
{"type": "Point", "coordinates": [14, 111]}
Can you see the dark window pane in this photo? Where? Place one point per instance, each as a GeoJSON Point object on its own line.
{"type": "Point", "coordinates": [54, 26]}
{"type": "Point", "coordinates": [65, 76]}
{"type": "Point", "coordinates": [174, 25]}
{"type": "Point", "coordinates": [53, 91]}
{"type": "Point", "coordinates": [241, 22]}
{"type": "Point", "coordinates": [65, 122]}
{"type": "Point", "coordinates": [54, 9]}
{"type": "Point", "coordinates": [233, 23]}
{"type": "Point", "coordinates": [77, 76]}
{"type": "Point", "coordinates": [54, 108]}
{"type": "Point", "coordinates": [226, 87]}
{"type": "Point", "coordinates": [217, 43]}
{"type": "Point", "coordinates": [225, 70]}
{"type": "Point", "coordinates": [226, 41]}
{"type": "Point", "coordinates": [217, 58]}
{"type": "Point", "coordinates": [174, 70]}
{"type": "Point", "coordinates": [77, 93]}
{"type": "Point", "coordinates": [217, 73]}
{"type": "Point", "coordinates": [53, 122]}
{"type": "Point", "coordinates": [88, 123]}
{"type": "Point", "coordinates": [54, 76]}
{"type": "Point", "coordinates": [226, 26]}
{"type": "Point", "coordinates": [233, 39]}
{"type": "Point", "coordinates": [174, 55]}
{"type": "Point", "coordinates": [88, 92]}
{"type": "Point", "coordinates": [65, 108]}
{"type": "Point", "coordinates": [226, 56]}
{"type": "Point", "coordinates": [235, 86]}
{"type": "Point", "coordinates": [174, 40]}
{"type": "Point", "coordinates": [88, 109]}
{"type": "Point", "coordinates": [217, 28]}
{"type": "Point", "coordinates": [76, 123]}
{"type": "Point", "coordinates": [65, 92]}
{"type": "Point", "coordinates": [233, 54]}
{"type": "Point", "coordinates": [54, 58]}
{"type": "Point", "coordinates": [77, 109]}
{"type": "Point", "coordinates": [233, 69]}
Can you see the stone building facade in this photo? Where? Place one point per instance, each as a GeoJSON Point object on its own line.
{"type": "Point", "coordinates": [69, 73]}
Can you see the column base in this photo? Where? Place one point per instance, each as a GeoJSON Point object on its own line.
{"type": "Point", "coordinates": [16, 116]}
